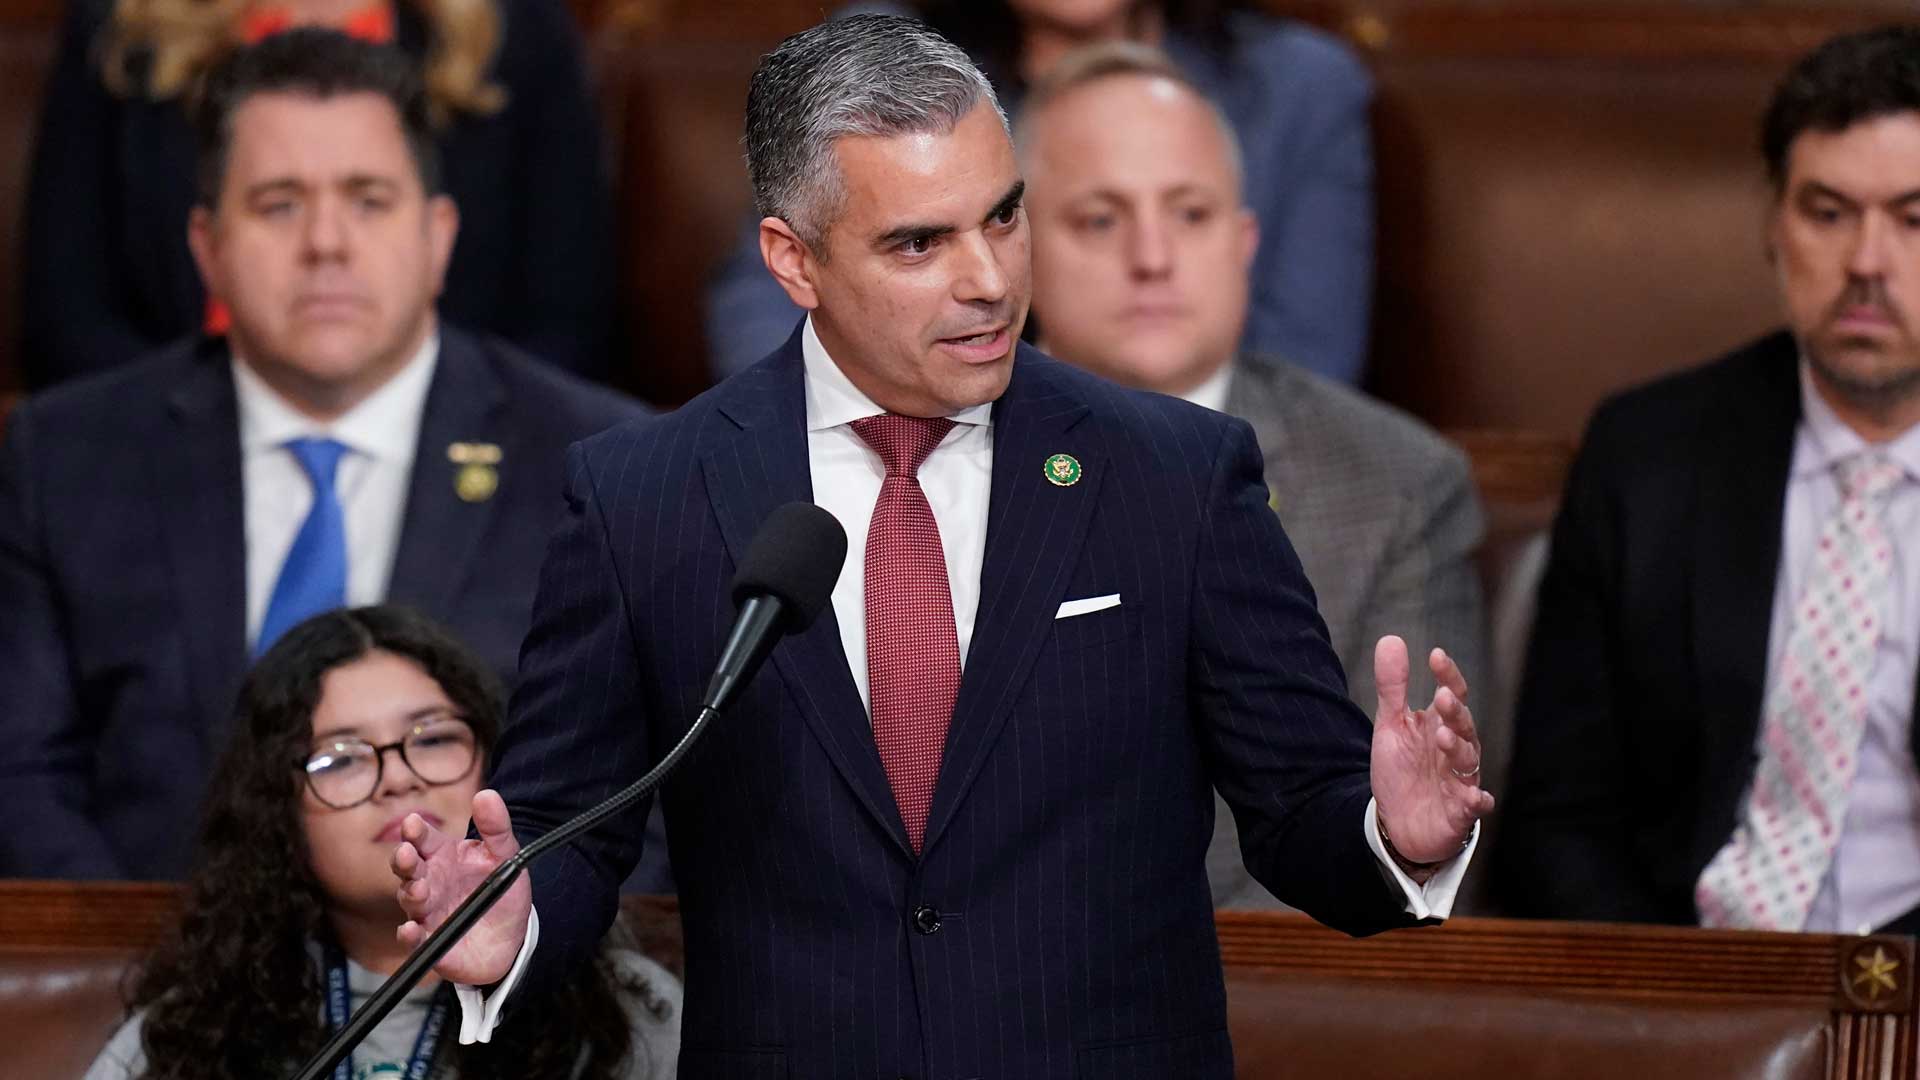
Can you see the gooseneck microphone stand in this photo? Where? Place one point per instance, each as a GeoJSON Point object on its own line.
{"type": "Point", "coordinates": [782, 583]}
{"type": "Point", "coordinates": [397, 986]}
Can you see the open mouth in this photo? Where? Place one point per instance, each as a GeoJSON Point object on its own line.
{"type": "Point", "coordinates": [978, 348]}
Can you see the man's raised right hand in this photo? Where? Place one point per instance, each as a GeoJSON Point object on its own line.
{"type": "Point", "coordinates": [437, 873]}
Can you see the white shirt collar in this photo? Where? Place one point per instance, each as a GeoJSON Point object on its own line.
{"type": "Point", "coordinates": [1827, 440]}
{"type": "Point", "coordinates": [833, 400]}
{"type": "Point", "coordinates": [386, 426]}
{"type": "Point", "coordinates": [1212, 391]}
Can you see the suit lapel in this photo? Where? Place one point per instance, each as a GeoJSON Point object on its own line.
{"type": "Point", "coordinates": [1740, 489]}
{"type": "Point", "coordinates": [199, 502]}
{"type": "Point", "coordinates": [441, 533]}
{"type": "Point", "coordinates": [754, 459]}
{"type": "Point", "coordinates": [1034, 531]}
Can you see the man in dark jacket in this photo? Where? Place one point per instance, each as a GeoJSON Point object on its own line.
{"type": "Point", "coordinates": [161, 523]}
{"type": "Point", "coordinates": [1716, 723]}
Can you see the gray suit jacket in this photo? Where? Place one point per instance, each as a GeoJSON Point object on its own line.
{"type": "Point", "coordinates": [1383, 514]}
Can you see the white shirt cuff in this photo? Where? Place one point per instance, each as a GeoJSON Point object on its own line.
{"type": "Point", "coordinates": [478, 1012]}
{"type": "Point", "coordinates": [1434, 900]}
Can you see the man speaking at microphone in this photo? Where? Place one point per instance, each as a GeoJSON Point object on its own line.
{"type": "Point", "coordinates": [958, 829]}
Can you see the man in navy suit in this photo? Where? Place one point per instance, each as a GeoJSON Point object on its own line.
{"type": "Point", "coordinates": [958, 828]}
{"type": "Point", "coordinates": [161, 523]}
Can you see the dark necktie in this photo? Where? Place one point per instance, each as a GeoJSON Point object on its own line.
{"type": "Point", "coordinates": [913, 651]}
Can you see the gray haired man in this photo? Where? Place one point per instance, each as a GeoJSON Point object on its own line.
{"type": "Point", "coordinates": [956, 829]}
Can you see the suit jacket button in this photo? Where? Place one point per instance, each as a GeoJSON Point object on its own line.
{"type": "Point", "coordinates": [926, 919]}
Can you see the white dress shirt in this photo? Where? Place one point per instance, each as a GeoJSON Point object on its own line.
{"type": "Point", "coordinates": [380, 434]}
{"type": "Point", "coordinates": [958, 480]}
{"type": "Point", "coordinates": [1212, 391]}
{"type": "Point", "coordinates": [1875, 874]}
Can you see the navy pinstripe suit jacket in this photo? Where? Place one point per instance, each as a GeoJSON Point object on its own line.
{"type": "Point", "coordinates": [1064, 851]}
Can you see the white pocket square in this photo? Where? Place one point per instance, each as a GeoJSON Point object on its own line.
{"type": "Point", "coordinates": [1084, 607]}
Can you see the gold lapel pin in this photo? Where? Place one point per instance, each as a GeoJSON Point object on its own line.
{"type": "Point", "coordinates": [478, 476]}
{"type": "Point", "coordinates": [1063, 470]}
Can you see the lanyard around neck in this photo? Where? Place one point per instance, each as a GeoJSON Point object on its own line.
{"type": "Point", "coordinates": [425, 1045]}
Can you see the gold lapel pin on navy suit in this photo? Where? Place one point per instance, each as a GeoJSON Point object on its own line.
{"type": "Point", "coordinates": [478, 475]}
{"type": "Point", "coordinates": [1063, 470]}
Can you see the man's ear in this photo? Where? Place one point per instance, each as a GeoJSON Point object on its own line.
{"type": "Point", "coordinates": [200, 241]}
{"type": "Point", "coordinates": [443, 227]}
{"type": "Point", "coordinates": [1249, 238]}
{"type": "Point", "coordinates": [790, 261]}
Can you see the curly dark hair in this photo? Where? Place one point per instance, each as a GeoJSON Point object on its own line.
{"type": "Point", "coordinates": [235, 989]}
{"type": "Point", "coordinates": [1853, 77]}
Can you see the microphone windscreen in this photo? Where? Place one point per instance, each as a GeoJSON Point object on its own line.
{"type": "Point", "coordinates": [796, 557]}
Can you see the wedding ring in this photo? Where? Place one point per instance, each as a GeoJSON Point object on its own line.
{"type": "Point", "coordinates": [1468, 775]}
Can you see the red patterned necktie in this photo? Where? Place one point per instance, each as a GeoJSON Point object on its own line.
{"type": "Point", "coordinates": [913, 651]}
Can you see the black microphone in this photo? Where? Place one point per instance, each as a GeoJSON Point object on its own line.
{"type": "Point", "coordinates": [783, 581]}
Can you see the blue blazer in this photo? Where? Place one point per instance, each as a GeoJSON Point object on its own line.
{"type": "Point", "coordinates": [1058, 923]}
{"type": "Point", "coordinates": [123, 582]}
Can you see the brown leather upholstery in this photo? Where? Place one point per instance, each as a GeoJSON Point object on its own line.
{"type": "Point", "coordinates": [1482, 998]}
{"type": "Point", "coordinates": [1474, 999]}
{"type": "Point", "coordinates": [674, 123]}
{"type": "Point", "coordinates": [66, 947]}
{"type": "Point", "coordinates": [1570, 199]}
{"type": "Point", "coordinates": [1426, 1033]}
{"type": "Point", "coordinates": [58, 1007]}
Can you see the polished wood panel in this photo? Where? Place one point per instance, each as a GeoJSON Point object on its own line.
{"type": "Point", "coordinates": [134, 915]}
{"type": "Point", "coordinates": [1864, 985]}
{"type": "Point", "coordinates": [85, 914]}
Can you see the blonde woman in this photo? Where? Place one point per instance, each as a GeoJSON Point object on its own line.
{"type": "Point", "coordinates": [109, 275]}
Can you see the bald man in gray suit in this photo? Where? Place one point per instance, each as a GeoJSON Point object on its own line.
{"type": "Point", "coordinates": [1141, 249]}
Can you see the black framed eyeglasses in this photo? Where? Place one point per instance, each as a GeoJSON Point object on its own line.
{"type": "Point", "coordinates": [345, 772]}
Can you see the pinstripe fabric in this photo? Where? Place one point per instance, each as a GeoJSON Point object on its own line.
{"type": "Point", "coordinates": [1065, 841]}
{"type": "Point", "coordinates": [1383, 514]}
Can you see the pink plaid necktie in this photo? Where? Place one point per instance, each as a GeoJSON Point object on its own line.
{"type": "Point", "coordinates": [1769, 872]}
{"type": "Point", "coordinates": [913, 651]}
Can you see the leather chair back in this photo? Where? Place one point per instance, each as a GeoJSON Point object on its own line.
{"type": "Point", "coordinates": [58, 1006]}
{"type": "Point", "coordinates": [1571, 1001]}
{"type": "Point", "coordinates": [1571, 200]}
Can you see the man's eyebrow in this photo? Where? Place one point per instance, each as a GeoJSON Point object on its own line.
{"type": "Point", "coordinates": [1814, 189]}
{"type": "Point", "coordinates": [360, 181]}
{"type": "Point", "coordinates": [276, 186]}
{"type": "Point", "coordinates": [1010, 200]}
{"type": "Point", "coordinates": [902, 234]}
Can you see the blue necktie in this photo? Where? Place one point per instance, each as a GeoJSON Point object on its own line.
{"type": "Point", "coordinates": [314, 577]}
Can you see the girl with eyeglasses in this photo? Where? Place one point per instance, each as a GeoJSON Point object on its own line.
{"type": "Point", "coordinates": [350, 722]}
